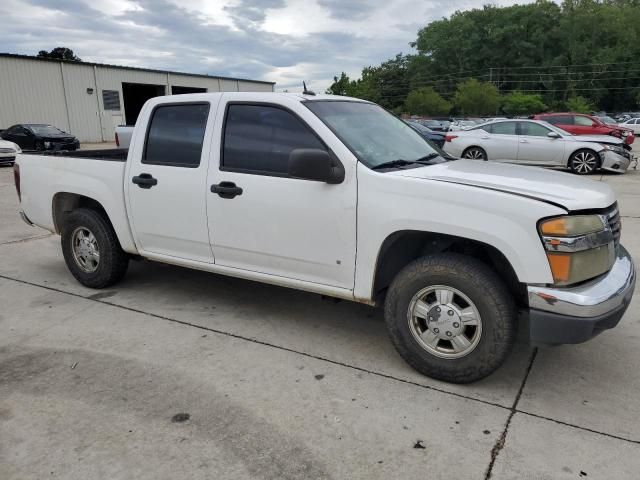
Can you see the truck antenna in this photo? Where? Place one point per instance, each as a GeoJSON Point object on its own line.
{"type": "Point", "coordinates": [305, 91]}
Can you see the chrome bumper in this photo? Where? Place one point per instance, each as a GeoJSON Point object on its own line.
{"type": "Point", "coordinates": [575, 314]}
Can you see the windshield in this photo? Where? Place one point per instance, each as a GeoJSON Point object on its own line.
{"type": "Point", "coordinates": [45, 130]}
{"type": "Point", "coordinates": [374, 135]}
{"type": "Point", "coordinates": [608, 120]}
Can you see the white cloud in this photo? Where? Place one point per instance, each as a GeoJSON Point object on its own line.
{"type": "Point", "coordinates": [285, 41]}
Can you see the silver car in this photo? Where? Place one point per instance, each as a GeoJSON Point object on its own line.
{"type": "Point", "coordinates": [534, 142]}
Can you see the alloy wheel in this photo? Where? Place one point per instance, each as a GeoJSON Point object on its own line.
{"type": "Point", "coordinates": [444, 321]}
{"type": "Point", "coordinates": [85, 249]}
{"type": "Point", "coordinates": [584, 162]}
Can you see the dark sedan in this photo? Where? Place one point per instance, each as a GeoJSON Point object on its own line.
{"type": "Point", "coordinates": [425, 132]}
{"type": "Point", "coordinates": [39, 136]}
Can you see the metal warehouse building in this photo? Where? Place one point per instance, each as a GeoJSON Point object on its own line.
{"type": "Point", "coordinates": [89, 99]}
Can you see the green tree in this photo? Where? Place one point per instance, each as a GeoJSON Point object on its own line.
{"type": "Point", "coordinates": [477, 98]}
{"type": "Point", "coordinates": [60, 53]}
{"type": "Point", "coordinates": [340, 86]}
{"type": "Point", "coordinates": [518, 103]}
{"type": "Point", "coordinates": [579, 105]}
{"type": "Point", "coordinates": [426, 101]}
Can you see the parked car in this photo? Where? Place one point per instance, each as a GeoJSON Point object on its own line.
{"type": "Point", "coordinates": [40, 136]}
{"type": "Point", "coordinates": [286, 188]}
{"type": "Point", "coordinates": [123, 136]}
{"type": "Point", "coordinates": [632, 124]}
{"type": "Point", "coordinates": [461, 125]}
{"type": "Point", "coordinates": [582, 124]}
{"type": "Point", "coordinates": [533, 142]}
{"type": "Point", "coordinates": [434, 125]}
{"type": "Point", "coordinates": [425, 132]}
{"type": "Point", "coordinates": [8, 152]}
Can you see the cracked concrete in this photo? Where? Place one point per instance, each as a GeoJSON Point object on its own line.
{"type": "Point", "coordinates": [279, 384]}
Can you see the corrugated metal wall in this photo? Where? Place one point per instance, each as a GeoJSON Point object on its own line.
{"type": "Point", "coordinates": [69, 95]}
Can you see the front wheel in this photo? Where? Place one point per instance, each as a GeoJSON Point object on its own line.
{"type": "Point", "coordinates": [451, 317]}
{"type": "Point", "coordinates": [584, 162]}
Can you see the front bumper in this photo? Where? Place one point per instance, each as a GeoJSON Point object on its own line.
{"type": "Point", "coordinates": [576, 314]}
{"type": "Point", "coordinates": [615, 162]}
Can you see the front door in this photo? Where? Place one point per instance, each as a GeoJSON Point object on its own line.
{"type": "Point", "coordinates": [167, 182]}
{"type": "Point", "coordinates": [278, 225]}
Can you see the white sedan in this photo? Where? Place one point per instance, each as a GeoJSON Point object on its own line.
{"type": "Point", "coordinates": [534, 142]}
{"type": "Point", "coordinates": [8, 152]}
{"type": "Point", "coordinates": [632, 124]}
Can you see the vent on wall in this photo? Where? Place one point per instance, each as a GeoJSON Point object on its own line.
{"type": "Point", "coordinates": [111, 99]}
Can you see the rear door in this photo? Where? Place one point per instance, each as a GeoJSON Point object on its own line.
{"type": "Point", "coordinates": [278, 225]}
{"type": "Point", "coordinates": [564, 122]}
{"type": "Point", "coordinates": [502, 144]}
{"type": "Point", "coordinates": [536, 147]}
{"type": "Point", "coordinates": [583, 125]}
{"type": "Point", "coordinates": [167, 181]}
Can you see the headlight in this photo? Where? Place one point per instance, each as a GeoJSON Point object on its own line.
{"type": "Point", "coordinates": [579, 247]}
{"type": "Point", "coordinates": [48, 144]}
{"type": "Point", "coordinates": [613, 148]}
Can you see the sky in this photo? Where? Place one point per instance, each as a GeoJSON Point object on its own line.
{"type": "Point", "coordinates": [283, 41]}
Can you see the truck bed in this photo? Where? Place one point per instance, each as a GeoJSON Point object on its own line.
{"type": "Point", "coordinates": [111, 154]}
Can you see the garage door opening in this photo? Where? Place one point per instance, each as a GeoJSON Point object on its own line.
{"type": "Point", "coordinates": [134, 95]}
{"type": "Point", "coordinates": [176, 90]}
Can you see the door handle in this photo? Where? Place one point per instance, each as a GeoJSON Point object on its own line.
{"type": "Point", "coordinates": [485, 138]}
{"type": "Point", "coordinates": [226, 189]}
{"type": "Point", "coordinates": [524, 141]}
{"type": "Point", "coordinates": [145, 180]}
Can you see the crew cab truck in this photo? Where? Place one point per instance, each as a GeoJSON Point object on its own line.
{"type": "Point", "coordinates": [337, 196]}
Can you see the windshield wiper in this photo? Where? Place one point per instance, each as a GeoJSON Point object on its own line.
{"type": "Point", "coordinates": [393, 163]}
{"type": "Point", "coordinates": [426, 158]}
{"type": "Point", "coordinates": [401, 162]}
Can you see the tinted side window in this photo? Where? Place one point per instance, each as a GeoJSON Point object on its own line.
{"type": "Point", "coordinates": [503, 128]}
{"type": "Point", "coordinates": [583, 121]}
{"type": "Point", "coordinates": [259, 139]}
{"type": "Point", "coordinates": [559, 120]}
{"type": "Point", "coordinates": [533, 129]}
{"type": "Point", "coordinates": [176, 134]}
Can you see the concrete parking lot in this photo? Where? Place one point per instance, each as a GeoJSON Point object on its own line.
{"type": "Point", "coordinates": [176, 373]}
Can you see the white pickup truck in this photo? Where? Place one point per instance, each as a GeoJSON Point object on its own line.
{"type": "Point", "coordinates": [337, 196]}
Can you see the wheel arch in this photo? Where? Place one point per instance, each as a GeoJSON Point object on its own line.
{"type": "Point", "coordinates": [480, 147]}
{"type": "Point", "coordinates": [581, 148]}
{"type": "Point", "coordinates": [402, 247]}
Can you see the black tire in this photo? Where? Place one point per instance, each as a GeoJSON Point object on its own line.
{"type": "Point", "coordinates": [113, 261]}
{"type": "Point", "coordinates": [475, 153]}
{"type": "Point", "coordinates": [486, 290]}
{"type": "Point", "coordinates": [579, 163]}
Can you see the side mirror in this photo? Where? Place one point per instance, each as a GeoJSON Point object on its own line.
{"type": "Point", "coordinates": [315, 164]}
{"type": "Point", "coordinates": [553, 135]}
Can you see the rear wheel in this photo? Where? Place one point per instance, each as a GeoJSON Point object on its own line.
{"type": "Point", "coordinates": [91, 249]}
{"type": "Point", "coordinates": [584, 162]}
{"type": "Point", "coordinates": [451, 317]}
{"type": "Point", "coordinates": [475, 153]}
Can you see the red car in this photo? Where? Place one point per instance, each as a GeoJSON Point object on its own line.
{"type": "Point", "coordinates": [581, 124]}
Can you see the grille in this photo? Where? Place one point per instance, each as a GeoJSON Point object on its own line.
{"type": "Point", "coordinates": [613, 218]}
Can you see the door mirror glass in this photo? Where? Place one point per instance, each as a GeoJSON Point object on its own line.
{"type": "Point", "coordinates": [314, 164]}
{"type": "Point", "coordinates": [553, 135]}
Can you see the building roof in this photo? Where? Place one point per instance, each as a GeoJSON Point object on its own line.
{"type": "Point", "coordinates": [122, 67]}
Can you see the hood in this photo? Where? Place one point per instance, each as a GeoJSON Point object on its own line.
{"type": "Point", "coordinates": [567, 190]}
{"type": "Point", "coordinates": [8, 144]}
{"type": "Point", "coordinates": [598, 138]}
